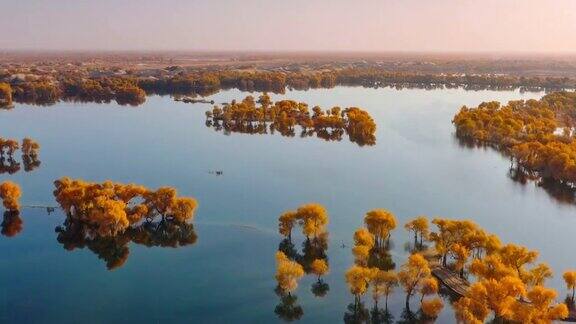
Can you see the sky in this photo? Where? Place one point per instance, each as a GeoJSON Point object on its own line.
{"type": "Point", "coordinates": [294, 25]}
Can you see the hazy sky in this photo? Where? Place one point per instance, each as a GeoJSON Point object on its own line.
{"type": "Point", "coordinates": [361, 25]}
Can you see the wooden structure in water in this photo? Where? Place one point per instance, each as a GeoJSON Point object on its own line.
{"type": "Point", "coordinates": [450, 279]}
{"type": "Point", "coordinates": [460, 286]}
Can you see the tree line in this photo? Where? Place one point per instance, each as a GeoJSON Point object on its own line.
{"type": "Point", "coordinates": [132, 89]}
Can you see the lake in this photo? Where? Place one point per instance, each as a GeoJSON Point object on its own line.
{"type": "Point", "coordinates": [417, 167]}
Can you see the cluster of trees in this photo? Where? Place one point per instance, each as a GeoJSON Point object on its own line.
{"type": "Point", "coordinates": [508, 283]}
{"type": "Point", "coordinates": [125, 91]}
{"type": "Point", "coordinates": [109, 209]}
{"type": "Point", "coordinates": [114, 250]}
{"type": "Point", "coordinates": [247, 117]}
{"type": "Point", "coordinates": [537, 134]}
{"type": "Point", "coordinates": [293, 265]}
{"type": "Point", "coordinates": [313, 219]}
{"type": "Point", "coordinates": [371, 246]}
{"type": "Point", "coordinates": [30, 150]}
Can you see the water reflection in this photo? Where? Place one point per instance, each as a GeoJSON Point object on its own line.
{"type": "Point", "coordinates": [12, 224]}
{"type": "Point", "coordinates": [114, 249]}
{"type": "Point", "coordinates": [288, 308]}
{"type": "Point", "coordinates": [561, 192]}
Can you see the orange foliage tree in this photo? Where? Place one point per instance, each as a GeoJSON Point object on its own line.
{"type": "Point", "coordinates": [10, 194]}
{"type": "Point", "coordinates": [110, 208]}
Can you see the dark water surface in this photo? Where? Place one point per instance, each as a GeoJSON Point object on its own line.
{"type": "Point", "coordinates": [227, 276]}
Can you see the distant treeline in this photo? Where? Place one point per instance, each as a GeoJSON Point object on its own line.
{"type": "Point", "coordinates": [132, 90]}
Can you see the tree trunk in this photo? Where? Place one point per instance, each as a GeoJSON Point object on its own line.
{"type": "Point", "coordinates": [408, 302]}
{"type": "Point", "coordinates": [386, 302]}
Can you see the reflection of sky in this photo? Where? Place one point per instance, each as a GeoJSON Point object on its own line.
{"type": "Point", "coordinates": [415, 168]}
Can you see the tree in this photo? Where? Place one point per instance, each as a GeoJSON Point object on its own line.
{"type": "Point", "coordinates": [288, 273]}
{"type": "Point", "coordinates": [380, 223]}
{"type": "Point", "coordinates": [30, 147]}
{"type": "Point", "coordinates": [383, 283]}
{"type": "Point", "coordinates": [358, 278]}
{"type": "Point", "coordinates": [363, 237]}
{"type": "Point", "coordinates": [429, 286]}
{"type": "Point", "coordinates": [412, 274]}
{"type": "Point", "coordinates": [538, 308]}
{"type": "Point", "coordinates": [10, 194]}
{"type": "Point", "coordinates": [517, 257]}
{"type": "Point", "coordinates": [570, 280]}
{"type": "Point", "coordinates": [538, 275]}
{"type": "Point", "coordinates": [460, 253]}
{"type": "Point", "coordinates": [286, 223]}
{"type": "Point", "coordinates": [363, 244]}
{"type": "Point", "coordinates": [490, 295]}
{"type": "Point", "coordinates": [432, 308]}
{"type": "Point", "coordinates": [314, 218]}
{"type": "Point", "coordinates": [319, 267]}
{"type": "Point", "coordinates": [418, 226]}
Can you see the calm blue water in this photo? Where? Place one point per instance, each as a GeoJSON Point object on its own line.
{"type": "Point", "coordinates": [227, 276]}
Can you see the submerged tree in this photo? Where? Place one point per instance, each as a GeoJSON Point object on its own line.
{"type": "Point", "coordinates": [413, 274]}
{"type": "Point", "coordinates": [383, 284]}
{"type": "Point", "coordinates": [570, 280]}
{"type": "Point", "coordinates": [380, 223]}
{"type": "Point", "coordinates": [10, 194]}
{"type": "Point", "coordinates": [111, 208]}
{"type": "Point", "coordinates": [419, 226]}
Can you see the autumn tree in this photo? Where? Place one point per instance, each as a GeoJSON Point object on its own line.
{"type": "Point", "coordinates": [313, 218]}
{"type": "Point", "coordinates": [517, 257]}
{"type": "Point", "coordinates": [358, 278]}
{"type": "Point", "coordinates": [10, 194]}
{"type": "Point", "coordinates": [380, 223]}
{"type": "Point", "coordinates": [490, 295]}
{"type": "Point", "coordinates": [111, 208]}
{"type": "Point", "coordinates": [419, 226]}
{"type": "Point", "coordinates": [363, 244]}
{"type": "Point", "coordinates": [539, 307]}
{"type": "Point", "coordinates": [429, 286]}
{"type": "Point", "coordinates": [319, 267]}
{"type": "Point", "coordinates": [286, 223]}
{"type": "Point", "coordinates": [412, 274]}
{"type": "Point", "coordinates": [8, 146]}
{"type": "Point", "coordinates": [383, 284]}
{"type": "Point", "coordinates": [432, 307]}
{"type": "Point", "coordinates": [570, 280]}
{"type": "Point", "coordinates": [30, 147]}
{"type": "Point", "coordinates": [288, 273]}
